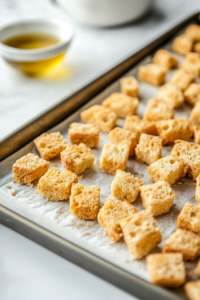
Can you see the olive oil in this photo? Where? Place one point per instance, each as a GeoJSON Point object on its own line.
{"type": "Point", "coordinates": [32, 41]}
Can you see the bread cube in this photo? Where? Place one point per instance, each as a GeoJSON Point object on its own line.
{"type": "Point", "coordinates": [29, 168]}
{"type": "Point", "coordinates": [192, 93]}
{"type": "Point", "coordinates": [195, 113]}
{"type": "Point", "coordinates": [149, 149]}
{"type": "Point", "coordinates": [157, 110]}
{"type": "Point", "coordinates": [197, 134]}
{"type": "Point", "coordinates": [190, 153]}
{"type": "Point", "coordinates": [103, 118]}
{"type": "Point", "coordinates": [135, 124]}
{"type": "Point", "coordinates": [141, 234]}
{"type": "Point", "coordinates": [153, 74]}
{"type": "Point", "coordinates": [110, 215]}
{"type": "Point", "coordinates": [182, 45]}
{"type": "Point", "coordinates": [50, 145]}
{"type": "Point", "coordinates": [196, 47]}
{"type": "Point", "coordinates": [189, 218]}
{"type": "Point", "coordinates": [157, 198]}
{"type": "Point", "coordinates": [192, 63]}
{"type": "Point", "coordinates": [171, 130]}
{"type": "Point", "coordinates": [87, 134]}
{"type": "Point", "coordinates": [185, 242]}
{"type": "Point", "coordinates": [119, 136]}
{"type": "Point", "coordinates": [193, 31]}
{"type": "Point", "coordinates": [168, 168]}
{"type": "Point", "coordinates": [121, 104]}
{"type": "Point", "coordinates": [165, 58]}
{"type": "Point", "coordinates": [197, 269]}
{"type": "Point", "coordinates": [190, 68]}
{"type": "Point", "coordinates": [114, 157]}
{"type": "Point", "coordinates": [129, 86]}
{"type": "Point", "coordinates": [77, 158]}
{"type": "Point", "coordinates": [84, 201]}
{"type": "Point", "coordinates": [182, 79]}
{"type": "Point", "coordinates": [171, 94]}
{"type": "Point", "coordinates": [192, 290]}
{"type": "Point", "coordinates": [166, 269]}
{"type": "Point", "coordinates": [56, 185]}
{"type": "Point", "coordinates": [197, 191]}
{"type": "Point", "coordinates": [125, 186]}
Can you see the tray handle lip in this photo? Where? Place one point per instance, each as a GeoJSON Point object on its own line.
{"type": "Point", "coordinates": [16, 139]}
{"type": "Point", "coordinates": [7, 216]}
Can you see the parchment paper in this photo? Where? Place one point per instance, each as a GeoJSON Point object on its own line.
{"type": "Point", "coordinates": [59, 211]}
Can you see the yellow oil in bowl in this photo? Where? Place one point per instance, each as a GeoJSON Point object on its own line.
{"type": "Point", "coordinates": [32, 41]}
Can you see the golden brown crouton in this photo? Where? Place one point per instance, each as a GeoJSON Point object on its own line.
{"type": "Point", "coordinates": [87, 134]}
{"type": "Point", "coordinates": [193, 31]}
{"type": "Point", "coordinates": [192, 93]}
{"type": "Point", "coordinates": [168, 168]}
{"type": "Point", "coordinates": [149, 149]}
{"type": "Point", "coordinates": [171, 94]}
{"type": "Point", "coordinates": [196, 47]}
{"type": "Point", "coordinates": [50, 145]}
{"type": "Point", "coordinates": [135, 124]}
{"type": "Point", "coordinates": [157, 110]}
{"type": "Point", "coordinates": [185, 242]}
{"type": "Point", "coordinates": [77, 158]}
{"type": "Point", "coordinates": [182, 79]}
{"type": "Point", "coordinates": [195, 113]}
{"type": "Point", "coordinates": [114, 157]}
{"type": "Point", "coordinates": [166, 269]}
{"type": "Point", "coordinates": [182, 44]}
{"type": "Point", "coordinates": [141, 234]}
{"type": "Point", "coordinates": [189, 218]}
{"type": "Point", "coordinates": [190, 153]}
{"type": "Point", "coordinates": [121, 104]}
{"type": "Point", "coordinates": [171, 130]}
{"type": "Point", "coordinates": [153, 74]}
{"type": "Point", "coordinates": [129, 86]}
{"type": "Point", "coordinates": [56, 185]}
{"type": "Point", "coordinates": [165, 58]}
{"type": "Point", "coordinates": [110, 215]}
{"type": "Point", "coordinates": [84, 201]}
{"type": "Point", "coordinates": [119, 136]}
{"type": "Point", "coordinates": [29, 168]}
{"type": "Point", "coordinates": [157, 198]}
{"type": "Point", "coordinates": [103, 118]}
{"type": "Point", "coordinates": [125, 186]}
{"type": "Point", "coordinates": [192, 289]}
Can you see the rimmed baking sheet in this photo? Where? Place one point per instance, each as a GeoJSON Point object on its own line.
{"type": "Point", "coordinates": [56, 217]}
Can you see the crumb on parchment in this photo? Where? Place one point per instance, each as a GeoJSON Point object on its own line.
{"type": "Point", "coordinates": [88, 224]}
{"type": "Point", "coordinates": [79, 223]}
{"type": "Point", "coordinates": [14, 193]}
{"type": "Point", "coordinates": [9, 187]}
{"type": "Point", "coordinates": [62, 207]}
{"type": "Point", "coordinates": [86, 232]}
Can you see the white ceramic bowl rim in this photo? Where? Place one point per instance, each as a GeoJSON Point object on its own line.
{"type": "Point", "coordinates": [58, 28]}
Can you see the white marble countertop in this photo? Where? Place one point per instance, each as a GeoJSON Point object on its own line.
{"type": "Point", "coordinates": [28, 271]}
{"type": "Point", "coordinates": [93, 51]}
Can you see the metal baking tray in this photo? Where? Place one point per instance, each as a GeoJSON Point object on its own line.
{"type": "Point", "coordinates": [43, 226]}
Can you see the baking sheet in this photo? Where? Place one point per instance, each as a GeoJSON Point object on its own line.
{"type": "Point", "coordinates": [59, 213]}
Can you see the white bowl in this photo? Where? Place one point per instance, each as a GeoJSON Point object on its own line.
{"type": "Point", "coordinates": [36, 60]}
{"type": "Point", "coordinates": [106, 12]}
